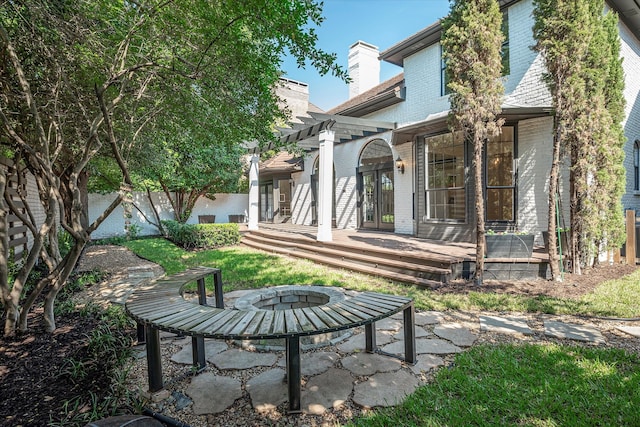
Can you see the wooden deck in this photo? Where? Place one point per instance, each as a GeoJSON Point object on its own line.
{"type": "Point", "coordinates": [403, 258]}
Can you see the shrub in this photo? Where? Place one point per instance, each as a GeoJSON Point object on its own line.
{"type": "Point", "coordinates": [202, 236]}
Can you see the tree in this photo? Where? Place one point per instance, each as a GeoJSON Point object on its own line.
{"type": "Point", "coordinates": [472, 42]}
{"type": "Point", "coordinates": [79, 76]}
{"type": "Point", "coordinates": [581, 53]}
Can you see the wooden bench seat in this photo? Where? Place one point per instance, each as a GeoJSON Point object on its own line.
{"type": "Point", "coordinates": [159, 305]}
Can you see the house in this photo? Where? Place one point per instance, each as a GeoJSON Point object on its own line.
{"type": "Point", "coordinates": [385, 160]}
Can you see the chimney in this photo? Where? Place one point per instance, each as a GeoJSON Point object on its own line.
{"type": "Point", "coordinates": [364, 67]}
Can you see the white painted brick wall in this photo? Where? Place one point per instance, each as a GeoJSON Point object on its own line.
{"type": "Point", "coordinates": [535, 141]}
{"type": "Point", "coordinates": [630, 51]}
{"type": "Point", "coordinates": [224, 205]}
{"type": "Point", "coordinates": [404, 189]}
{"type": "Point", "coordinates": [301, 192]}
{"type": "Point", "coordinates": [36, 207]}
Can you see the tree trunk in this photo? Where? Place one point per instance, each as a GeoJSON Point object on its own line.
{"type": "Point", "coordinates": [554, 175]}
{"type": "Point", "coordinates": [479, 207]}
{"type": "Point", "coordinates": [58, 281]}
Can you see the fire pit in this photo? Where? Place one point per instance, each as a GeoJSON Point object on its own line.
{"type": "Point", "coordinates": [291, 297]}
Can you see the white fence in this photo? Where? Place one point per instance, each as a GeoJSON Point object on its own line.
{"type": "Point", "coordinates": [222, 207]}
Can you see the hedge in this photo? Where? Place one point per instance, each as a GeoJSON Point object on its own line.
{"type": "Point", "coordinates": [202, 236]}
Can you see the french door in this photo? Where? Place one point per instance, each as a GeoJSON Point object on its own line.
{"type": "Point", "coordinates": [377, 207]}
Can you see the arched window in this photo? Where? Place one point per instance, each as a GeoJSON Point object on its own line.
{"type": "Point", "coordinates": [375, 153]}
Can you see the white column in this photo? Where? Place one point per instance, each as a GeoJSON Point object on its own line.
{"type": "Point", "coordinates": [325, 186]}
{"type": "Point", "coordinates": [254, 193]}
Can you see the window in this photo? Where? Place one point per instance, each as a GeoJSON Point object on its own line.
{"type": "Point", "coordinates": [500, 176]}
{"type": "Point", "coordinates": [445, 190]}
{"type": "Point", "coordinates": [444, 77]}
{"type": "Point", "coordinates": [636, 165]}
{"type": "Point", "coordinates": [506, 70]}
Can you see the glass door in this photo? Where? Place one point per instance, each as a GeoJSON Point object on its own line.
{"type": "Point", "coordinates": [266, 202]}
{"type": "Point", "coordinates": [378, 199]}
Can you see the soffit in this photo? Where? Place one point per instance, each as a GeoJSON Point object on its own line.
{"type": "Point", "coordinates": [629, 13]}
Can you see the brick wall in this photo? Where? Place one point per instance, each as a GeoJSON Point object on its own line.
{"type": "Point", "coordinates": [630, 51]}
{"type": "Point", "coordinates": [114, 225]}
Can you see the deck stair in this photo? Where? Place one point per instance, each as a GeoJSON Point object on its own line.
{"type": "Point", "coordinates": [425, 270]}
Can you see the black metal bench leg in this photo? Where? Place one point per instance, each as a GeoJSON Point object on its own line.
{"type": "Point", "coordinates": [409, 335]}
{"type": "Point", "coordinates": [217, 284]}
{"type": "Point", "coordinates": [140, 332]}
{"type": "Point", "coordinates": [197, 348]}
{"type": "Point", "coordinates": [154, 361]}
{"type": "Point", "coordinates": [293, 373]}
{"type": "Point", "coordinates": [202, 292]}
{"type": "Point", "coordinates": [370, 337]}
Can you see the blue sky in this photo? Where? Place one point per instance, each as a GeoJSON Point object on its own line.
{"type": "Point", "coordinates": [382, 23]}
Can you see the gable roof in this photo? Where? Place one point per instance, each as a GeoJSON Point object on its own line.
{"type": "Point", "coordinates": [383, 95]}
{"type": "Point", "coordinates": [283, 162]}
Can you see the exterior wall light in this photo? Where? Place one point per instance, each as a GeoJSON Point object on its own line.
{"type": "Point", "coordinates": [399, 165]}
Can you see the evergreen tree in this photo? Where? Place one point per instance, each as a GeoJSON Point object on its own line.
{"type": "Point", "coordinates": [580, 46]}
{"type": "Point", "coordinates": [472, 43]}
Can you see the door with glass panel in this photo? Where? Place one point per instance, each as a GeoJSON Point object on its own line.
{"type": "Point", "coordinates": [377, 186]}
{"type": "Point", "coordinates": [377, 199]}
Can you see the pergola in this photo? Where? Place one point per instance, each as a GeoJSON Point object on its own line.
{"type": "Point", "coordinates": [318, 132]}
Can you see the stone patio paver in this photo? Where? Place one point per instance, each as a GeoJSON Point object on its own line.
{"type": "Point", "coordinates": [570, 331]}
{"type": "Point", "coordinates": [314, 363]}
{"type": "Point", "coordinates": [424, 345]}
{"type": "Point", "coordinates": [631, 330]}
{"type": "Point", "coordinates": [420, 333]}
{"type": "Point", "coordinates": [227, 390]}
{"type": "Point", "coordinates": [456, 333]}
{"type": "Point", "coordinates": [328, 390]}
{"type": "Point", "coordinates": [370, 363]}
{"type": "Point", "coordinates": [267, 390]}
{"type": "Point", "coordinates": [424, 318]}
{"type": "Point", "coordinates": [211, 349]}
{"type": "Point", "coordinates": [389, 324]}
{"type": "Point", "coordinates": [242, 359]}
{"type": "Point", "coordinates": [426, 362]}
{"type": "Point", "coordinates": [358, 342]}
{"type": "Point", "coordinates": [505, 325]}
{"type": "Point", "coordinates": [385, 389]}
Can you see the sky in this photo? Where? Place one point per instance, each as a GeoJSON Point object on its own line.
{"type": "Point", "coordinates": [382, 23]}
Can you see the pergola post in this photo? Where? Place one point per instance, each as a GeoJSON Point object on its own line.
{"type": "Point", "coordinates": [325, 186]}
{"type": "Point", "coordinates": [254, 193]}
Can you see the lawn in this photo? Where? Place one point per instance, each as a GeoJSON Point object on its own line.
{"type": "Point", "coordinates": [528, 384]}
{"type": "Point", "coordinates": [245, 268]}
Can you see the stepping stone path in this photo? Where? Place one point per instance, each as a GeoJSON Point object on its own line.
{"type": "Point", "coordinates": [332, 375]}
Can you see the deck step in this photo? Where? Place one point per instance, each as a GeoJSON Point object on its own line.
{"type": "Point", "coordinates": [380, 264]}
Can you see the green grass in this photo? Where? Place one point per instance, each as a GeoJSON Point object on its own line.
{"type": "Point", "coordinates": [244, 268]}
{"type": "Point", "coordinates": [532, 385]}
{"type": "Point", "coordinates": [488, 385]}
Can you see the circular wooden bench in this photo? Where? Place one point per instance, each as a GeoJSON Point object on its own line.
{"type": "Point", "coordinates": [160, 305]}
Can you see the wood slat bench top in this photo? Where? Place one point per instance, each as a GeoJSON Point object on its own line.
{"type": "Point", "coordinates": [160, 303]}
